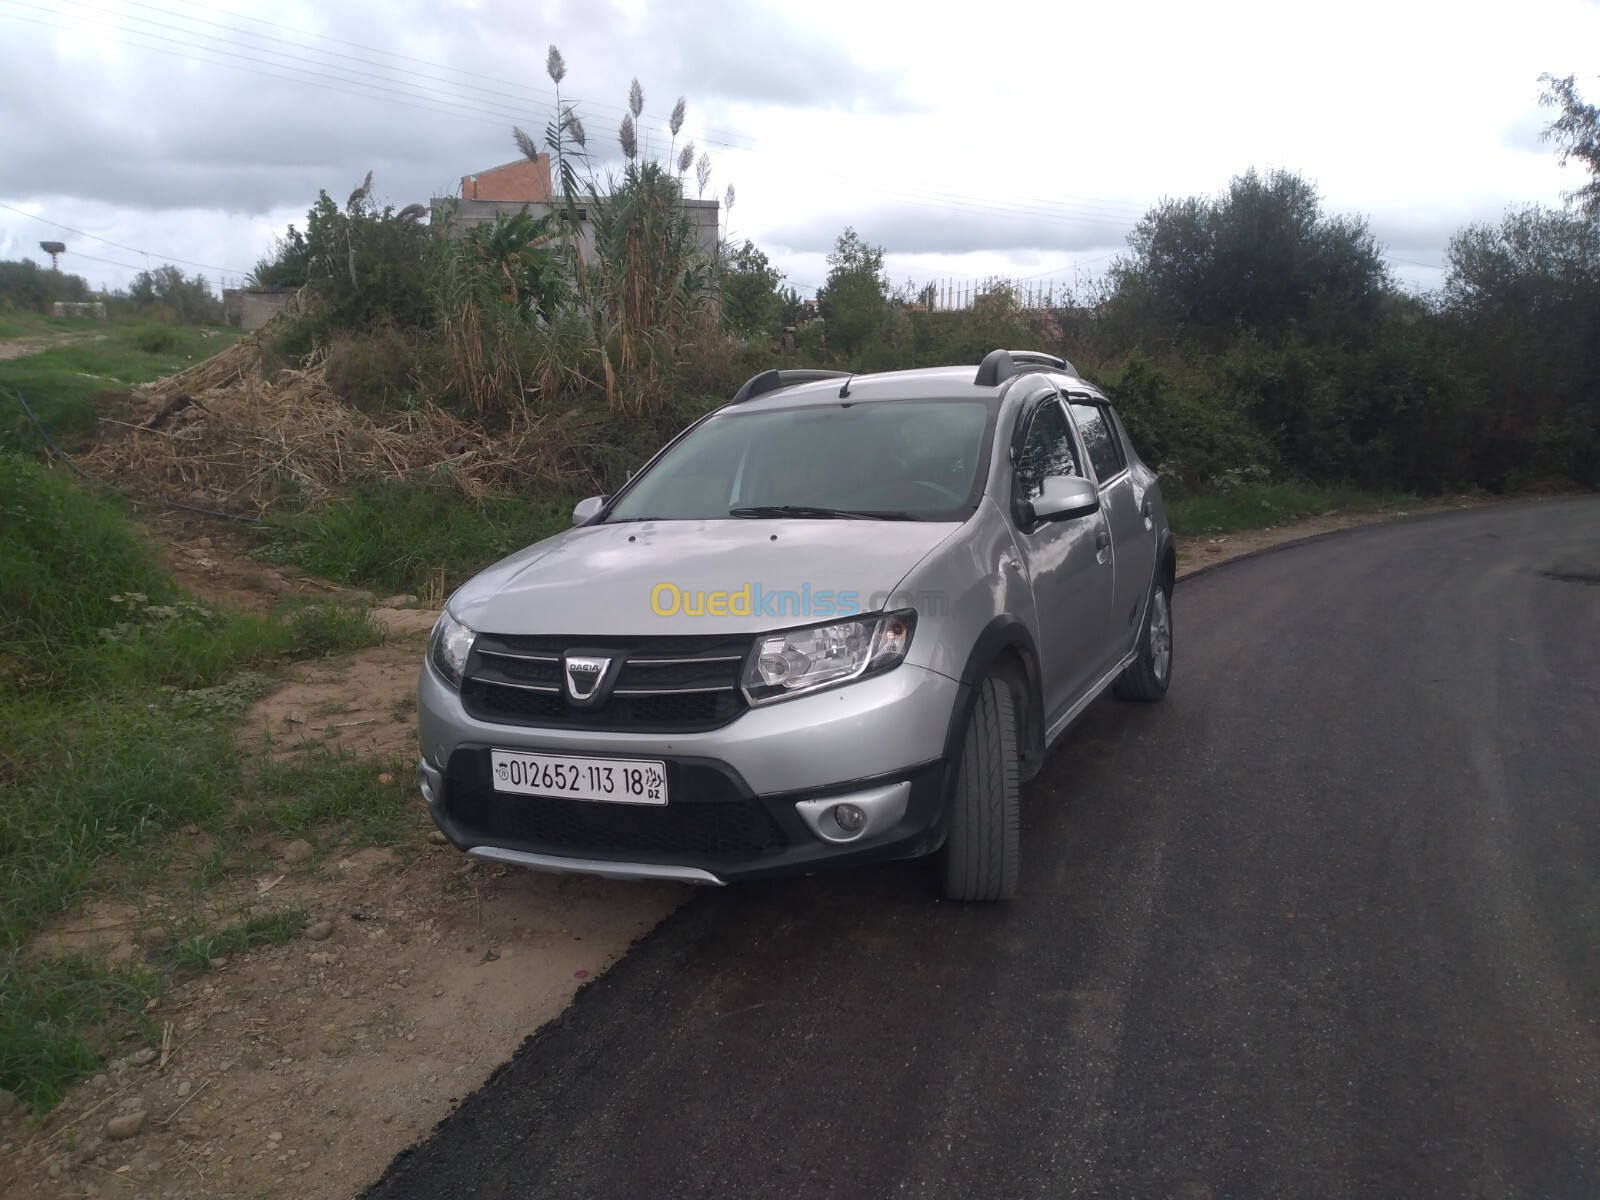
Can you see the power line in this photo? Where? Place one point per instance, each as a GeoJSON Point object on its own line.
{"type": "Point", "coordinates": [1101, 214]}
{"type": "Point", "coordinates": [462, 109]}
{"type": "Point", "coordinates": [1412, 263]}
{"type": "Point", "coordinates": [108, 262]}
{"type": "Point", "coordinates": [546, 93]}
{"type": "Point", "coordinates": [446, 104]}
{"type": "Point", "coordinates": [119, 245]}
{"type": "Point", "coordinates": [407, 88]}
{"type": "Point", "coordinates": [1093, 213]}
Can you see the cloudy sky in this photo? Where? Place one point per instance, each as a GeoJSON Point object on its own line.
{"type": "Point", "coordinates": [1012, 137]}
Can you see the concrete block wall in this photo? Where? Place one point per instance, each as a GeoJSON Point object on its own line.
{"type": "Point", "coordinates": [81, 308]}
{"type": "Point", "coordinates": [251, 308]}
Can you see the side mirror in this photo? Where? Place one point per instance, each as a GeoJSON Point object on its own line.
{"type": "Point", "coordinates": [586, 510]}
{"type": "Point", "coordinates": [1065, 497]}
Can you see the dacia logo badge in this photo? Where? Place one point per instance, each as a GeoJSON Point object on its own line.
{"type": "Point", "coordinates": [583, 675]}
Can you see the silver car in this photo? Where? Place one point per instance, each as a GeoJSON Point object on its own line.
{"type": "Point", "coordinates": [836, 621]}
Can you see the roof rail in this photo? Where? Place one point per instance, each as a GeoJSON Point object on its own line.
{"type": "Point", "coordinates": [1000, 365]}
{"type": "Point", "coordinates": [772, 381]}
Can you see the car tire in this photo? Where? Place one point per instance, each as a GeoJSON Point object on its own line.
{"type": "Point", "coordinates": [1147, 676]}
{"type": "Point", "coordinates": [981, 856]}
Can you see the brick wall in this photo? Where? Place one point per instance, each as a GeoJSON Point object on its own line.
{"type": "Point", "coordinates": [521, 180]}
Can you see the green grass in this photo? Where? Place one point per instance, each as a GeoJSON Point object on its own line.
{"type": "Point", "coordinates": [119, 697]}
{"type": "Point", "coordinates": [17, 325]}
{"type": "Point", "coordinates": [61, 1017]}
{"type": "Point", "coordinates": [1255, 505]}
{"type": "Point", "coordinates": [59, 382]}
{"type": "Point", "coordinates": [397, 535]}
{"type": "Point", "coordinates": [263, 929]}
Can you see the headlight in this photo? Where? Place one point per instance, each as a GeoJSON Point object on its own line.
{"type": "Point", "coordinates": [803, 660]}
{"type": "Point", "coordinates": [448, 647]}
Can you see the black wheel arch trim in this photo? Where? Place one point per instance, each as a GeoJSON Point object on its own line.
{"type": "Point", "coordinates": [1004, 632]}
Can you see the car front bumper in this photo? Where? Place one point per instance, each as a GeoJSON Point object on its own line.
{"type": "Point", "coordinates": [752, 799]}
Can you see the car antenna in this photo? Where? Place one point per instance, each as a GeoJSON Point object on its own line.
{"type": "Point", "coordinates": [845, 390]}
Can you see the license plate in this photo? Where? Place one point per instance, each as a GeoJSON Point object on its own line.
{"type": "Point", "coordinates": [609, 780]}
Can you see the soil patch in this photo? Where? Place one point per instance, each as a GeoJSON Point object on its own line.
{"type": "Point", "coordinates": [22, 347]}
{"type": "Point", "coordinates": [365, 703]}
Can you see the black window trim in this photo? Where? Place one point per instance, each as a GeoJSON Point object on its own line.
{"type": "Point", "coordinates": [1032, 406]}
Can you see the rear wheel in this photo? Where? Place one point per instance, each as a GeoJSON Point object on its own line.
{"type": "Point", "coordinates": [981, 856]}
{"type": "Point", "coordinates": [1147, 676]}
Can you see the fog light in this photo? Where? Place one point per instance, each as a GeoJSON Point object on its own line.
{"type": "Point", "coordinates": [849, 817]}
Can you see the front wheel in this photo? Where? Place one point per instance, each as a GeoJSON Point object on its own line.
{"type": "Point", "coordinates": [981, 857]}
{"type": "Point", "coordinates": [1147, 676]}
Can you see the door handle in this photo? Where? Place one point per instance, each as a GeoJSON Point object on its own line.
{"type": "Point", "coordinates": [1144, 511]}
{"type": "Point", "coordinates": [1102, 547]}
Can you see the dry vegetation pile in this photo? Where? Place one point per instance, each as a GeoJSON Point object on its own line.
{"type": "Point", "coordinates": [225, 434]}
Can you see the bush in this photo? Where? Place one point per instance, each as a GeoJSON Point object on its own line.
{"type": "Point", "coordinates": [66, 558]}
{"type": "Point", "coordinates": [373, 371]}
{"type": "Point", "coordinates": [156, 339]}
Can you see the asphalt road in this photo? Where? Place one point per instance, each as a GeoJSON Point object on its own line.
{"type": "Point", "coordinates": [1324, 923]}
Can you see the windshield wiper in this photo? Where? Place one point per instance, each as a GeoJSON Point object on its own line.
{"type": "Point", "coordinates": [809, 510]}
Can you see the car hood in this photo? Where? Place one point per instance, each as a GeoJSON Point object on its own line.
{"type": "Point", "coordinates": [666, 577]}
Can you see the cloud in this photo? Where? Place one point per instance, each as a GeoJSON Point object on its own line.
{"type": "Point", "coordinates": [160, 126]}
{"type": "Point", "coordinates": [914, 229]}
{"type": "Point", "coordinates": [1423, 232]}
{"type": "Point", "coordinates": [734, 50]}
{"type": "Point", "coordinates": [1526, 131]}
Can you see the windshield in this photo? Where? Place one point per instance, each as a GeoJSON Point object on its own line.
{"type": "Point", "coordinates": [896, 460]}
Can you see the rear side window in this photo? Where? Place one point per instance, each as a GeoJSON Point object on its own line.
{"type": "Point", "coordinates": [1100, 441]}
{"type": "Point", "coordinates": [1046, 452]}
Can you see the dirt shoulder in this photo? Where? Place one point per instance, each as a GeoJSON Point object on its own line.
{"type": "Point", "coordinates": [21, 347]}
{"type": "Point", "coordinates": [301, 1069]}
{"type": "Point", "coordinates": [1207, 550]}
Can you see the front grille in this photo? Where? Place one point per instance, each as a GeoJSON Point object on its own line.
{"type": "Point", "coordinates": [708, 831]}
{"type": "Point", "coordinates": [666, 684]}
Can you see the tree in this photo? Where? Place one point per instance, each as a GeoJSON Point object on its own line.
{"type": "Point", "coordinates": [752, 302]}
{"type": "Point", "coordinates": [289, 265]}
{"type": "Point", "coordinates": [855, 299]}
{"type": "Point", "coordinates": [1523, 299]}
{"type": "Point", "coordinates": [1261, 257]}
{"type": "Point", "coordinates": [25, 285]}
{"type": "Point", "coordinates": [1577, 132]}
{"type": "Point", "coordinates": [367, 264]}
{"type": "Point", "coordinates": [190, 301]}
